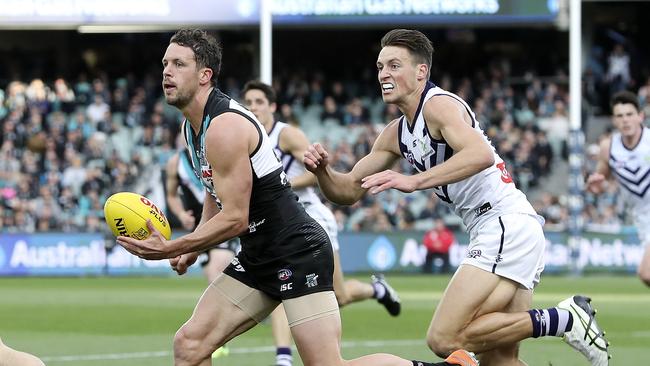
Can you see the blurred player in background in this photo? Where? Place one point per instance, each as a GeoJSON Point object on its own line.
{"type": "Point", "coordinates": [290, 144]}
{"type": "Point", "coordinates": [11, 357]}
{"type": "Point", "coordinates": [485, 307]}
{"type": "Point", "coordinates": [285, 256]}
{"type": "Point", "coordinates": [626, 154]}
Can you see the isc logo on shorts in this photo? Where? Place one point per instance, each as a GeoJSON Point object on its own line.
{"type": "Point", "coordinates": [286, 286]}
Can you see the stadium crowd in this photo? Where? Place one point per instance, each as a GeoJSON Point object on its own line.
{"type": "Point", "coordinates": [67, 145]}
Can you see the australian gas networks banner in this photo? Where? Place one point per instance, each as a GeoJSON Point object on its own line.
{"type": "Point", "coordinates": [70, 254]}
{"type": "Point", "coordinates": [403, 252]}
{"type": "Point", "coordinates": [79, 254]}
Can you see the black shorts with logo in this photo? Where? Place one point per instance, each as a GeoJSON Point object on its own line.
{"type": "Point", "coordinates": [297, 260]}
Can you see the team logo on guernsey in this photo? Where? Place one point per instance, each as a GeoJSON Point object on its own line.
{"type": "Point", "coordinates": [505, 175]}
{"type": "Point", "coordinates": [312, 280]}
{"type": "Point", "coordinates": [410, 158]}
{"type": "Point", "coordinates": [284, 274]}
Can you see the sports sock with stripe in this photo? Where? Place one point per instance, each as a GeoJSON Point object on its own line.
{"type": "Point", "coordinates": [550, 322]}
{"type": "Point", "coordinates": [283, 356]}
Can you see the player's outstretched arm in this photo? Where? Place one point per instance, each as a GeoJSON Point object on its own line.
{"type": "Point", "coordinates": [294, 141]}
{"type": "Point", "coordinates": [345, 188]}
{"type": "Point", "coordinates": [595, 180]}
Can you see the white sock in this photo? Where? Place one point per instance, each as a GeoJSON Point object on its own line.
{"type": "Point", "coordinates": [380, 290]}
{"type": "Point", "coordinates": [283, 360]}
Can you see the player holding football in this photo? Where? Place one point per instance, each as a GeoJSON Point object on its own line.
{"type": "Point", "coordinates": [290, 143]}
{"type": "Point", "coordinates": [627, 154]}
{"type": "Point", "coordinates": [185, 195]}
{"type": "Point", "coordinates": [286, 256]}
{"type": "Point", "coordinates": [485, 308]}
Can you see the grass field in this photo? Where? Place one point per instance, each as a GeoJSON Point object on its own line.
{"type": "Point", "coordinates": [131, 321]}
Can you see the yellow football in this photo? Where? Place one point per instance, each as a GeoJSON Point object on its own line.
{"type": "Point", "coordinates": [127, 213]}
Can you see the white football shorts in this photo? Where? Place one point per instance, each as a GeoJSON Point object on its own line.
{"type": "Point", "coordinates": [326, 219]}
{"type": "Point", "coordinates": [510, 246]}
{"type": "Point", "coordinates": [642, 223]}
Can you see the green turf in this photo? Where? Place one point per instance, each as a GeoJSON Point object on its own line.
{"type": "Point", "coordinates": [131, 321]}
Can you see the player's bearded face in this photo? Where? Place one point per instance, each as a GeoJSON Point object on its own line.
{"type": "Point", "coordinates": [180, 76]}
{"type": "Point", "coordinates": [180, 96]}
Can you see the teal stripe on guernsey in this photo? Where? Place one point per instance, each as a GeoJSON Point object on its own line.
{"type": "Point", "coordinates": [193, 177]}
{"type": "Point", "coordinates": [206, 122]}
{"type": "Point", "coordinates": [190, 139]}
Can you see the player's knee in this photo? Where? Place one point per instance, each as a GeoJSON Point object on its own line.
{"type": "Point", "coordinates": [442, 344]}
{"type": "Point", "coordinates": [189, 349]}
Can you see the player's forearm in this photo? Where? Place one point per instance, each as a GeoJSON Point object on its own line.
{"type": "Point", "coordinates": [175, 205]}
{"type": "Point", "coordinates": [460, 166]}
{"type": "Point", "coordinates": [340, 188]}
{"type": "Point", "coordinates": [218, 229]}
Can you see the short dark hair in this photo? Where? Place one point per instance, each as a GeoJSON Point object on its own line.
{"type": "Point", "coordinates": [268, 91]}
{"type": "Point", "coordinates": [207, 51]}
{"type": "Point", "coordinates": [625, 97]}
{"type": "Point", "coordinates": [415, 41]}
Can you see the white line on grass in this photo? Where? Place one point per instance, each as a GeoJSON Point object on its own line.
{"type": "Point", "coordinates": [234, 350]}
{"type": "Point", "coordinates": [262, 349]}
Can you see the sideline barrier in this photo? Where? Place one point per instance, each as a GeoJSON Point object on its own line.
{"type": "Point", "coordinates": [83, 254]}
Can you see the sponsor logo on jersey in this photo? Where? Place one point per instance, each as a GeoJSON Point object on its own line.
{"type": "Point", "coordinates": [286, 286]}
{"type": "Point", "coordinates": [284, 274]}
{"type": "Point", "coordinates": [474, 253]}
{"type": "Point", "coordinates": [312, 280]}
{"type": "Point", "coordinates": [483, 209]}
{"type": "Point", "coordinates": [206, 172]}
{"type": "Point", "coordinates": [252, 227]}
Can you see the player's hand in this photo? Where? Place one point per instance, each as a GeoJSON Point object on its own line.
{"type": "Point", "coordinates": [595, 183]}
{"type": "Point", "coordinates": [181, 263]}
{"type": "Point", "coordinates": [187, 220]}
{"type": "Point", "coordinates": [388, 179]}
{"type": "Point", "coordinates": [315, 158]}
{"type": "Point", "coordinates": [153, 247]}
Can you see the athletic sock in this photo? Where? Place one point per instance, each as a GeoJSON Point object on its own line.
{"type": "Point", "coordinates": [380, 290]}
{"type": "Point", "coordinates": [550, 322]}
{"type": "Point", "coordinates": [283, 356]}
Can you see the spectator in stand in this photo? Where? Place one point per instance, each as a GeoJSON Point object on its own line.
{"type": "Point", "coordinates": [618, 69]}
{"type": "Point", "coordinates": [331, 111]}
{"type": "Point", "coordinates": [438, 240]}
